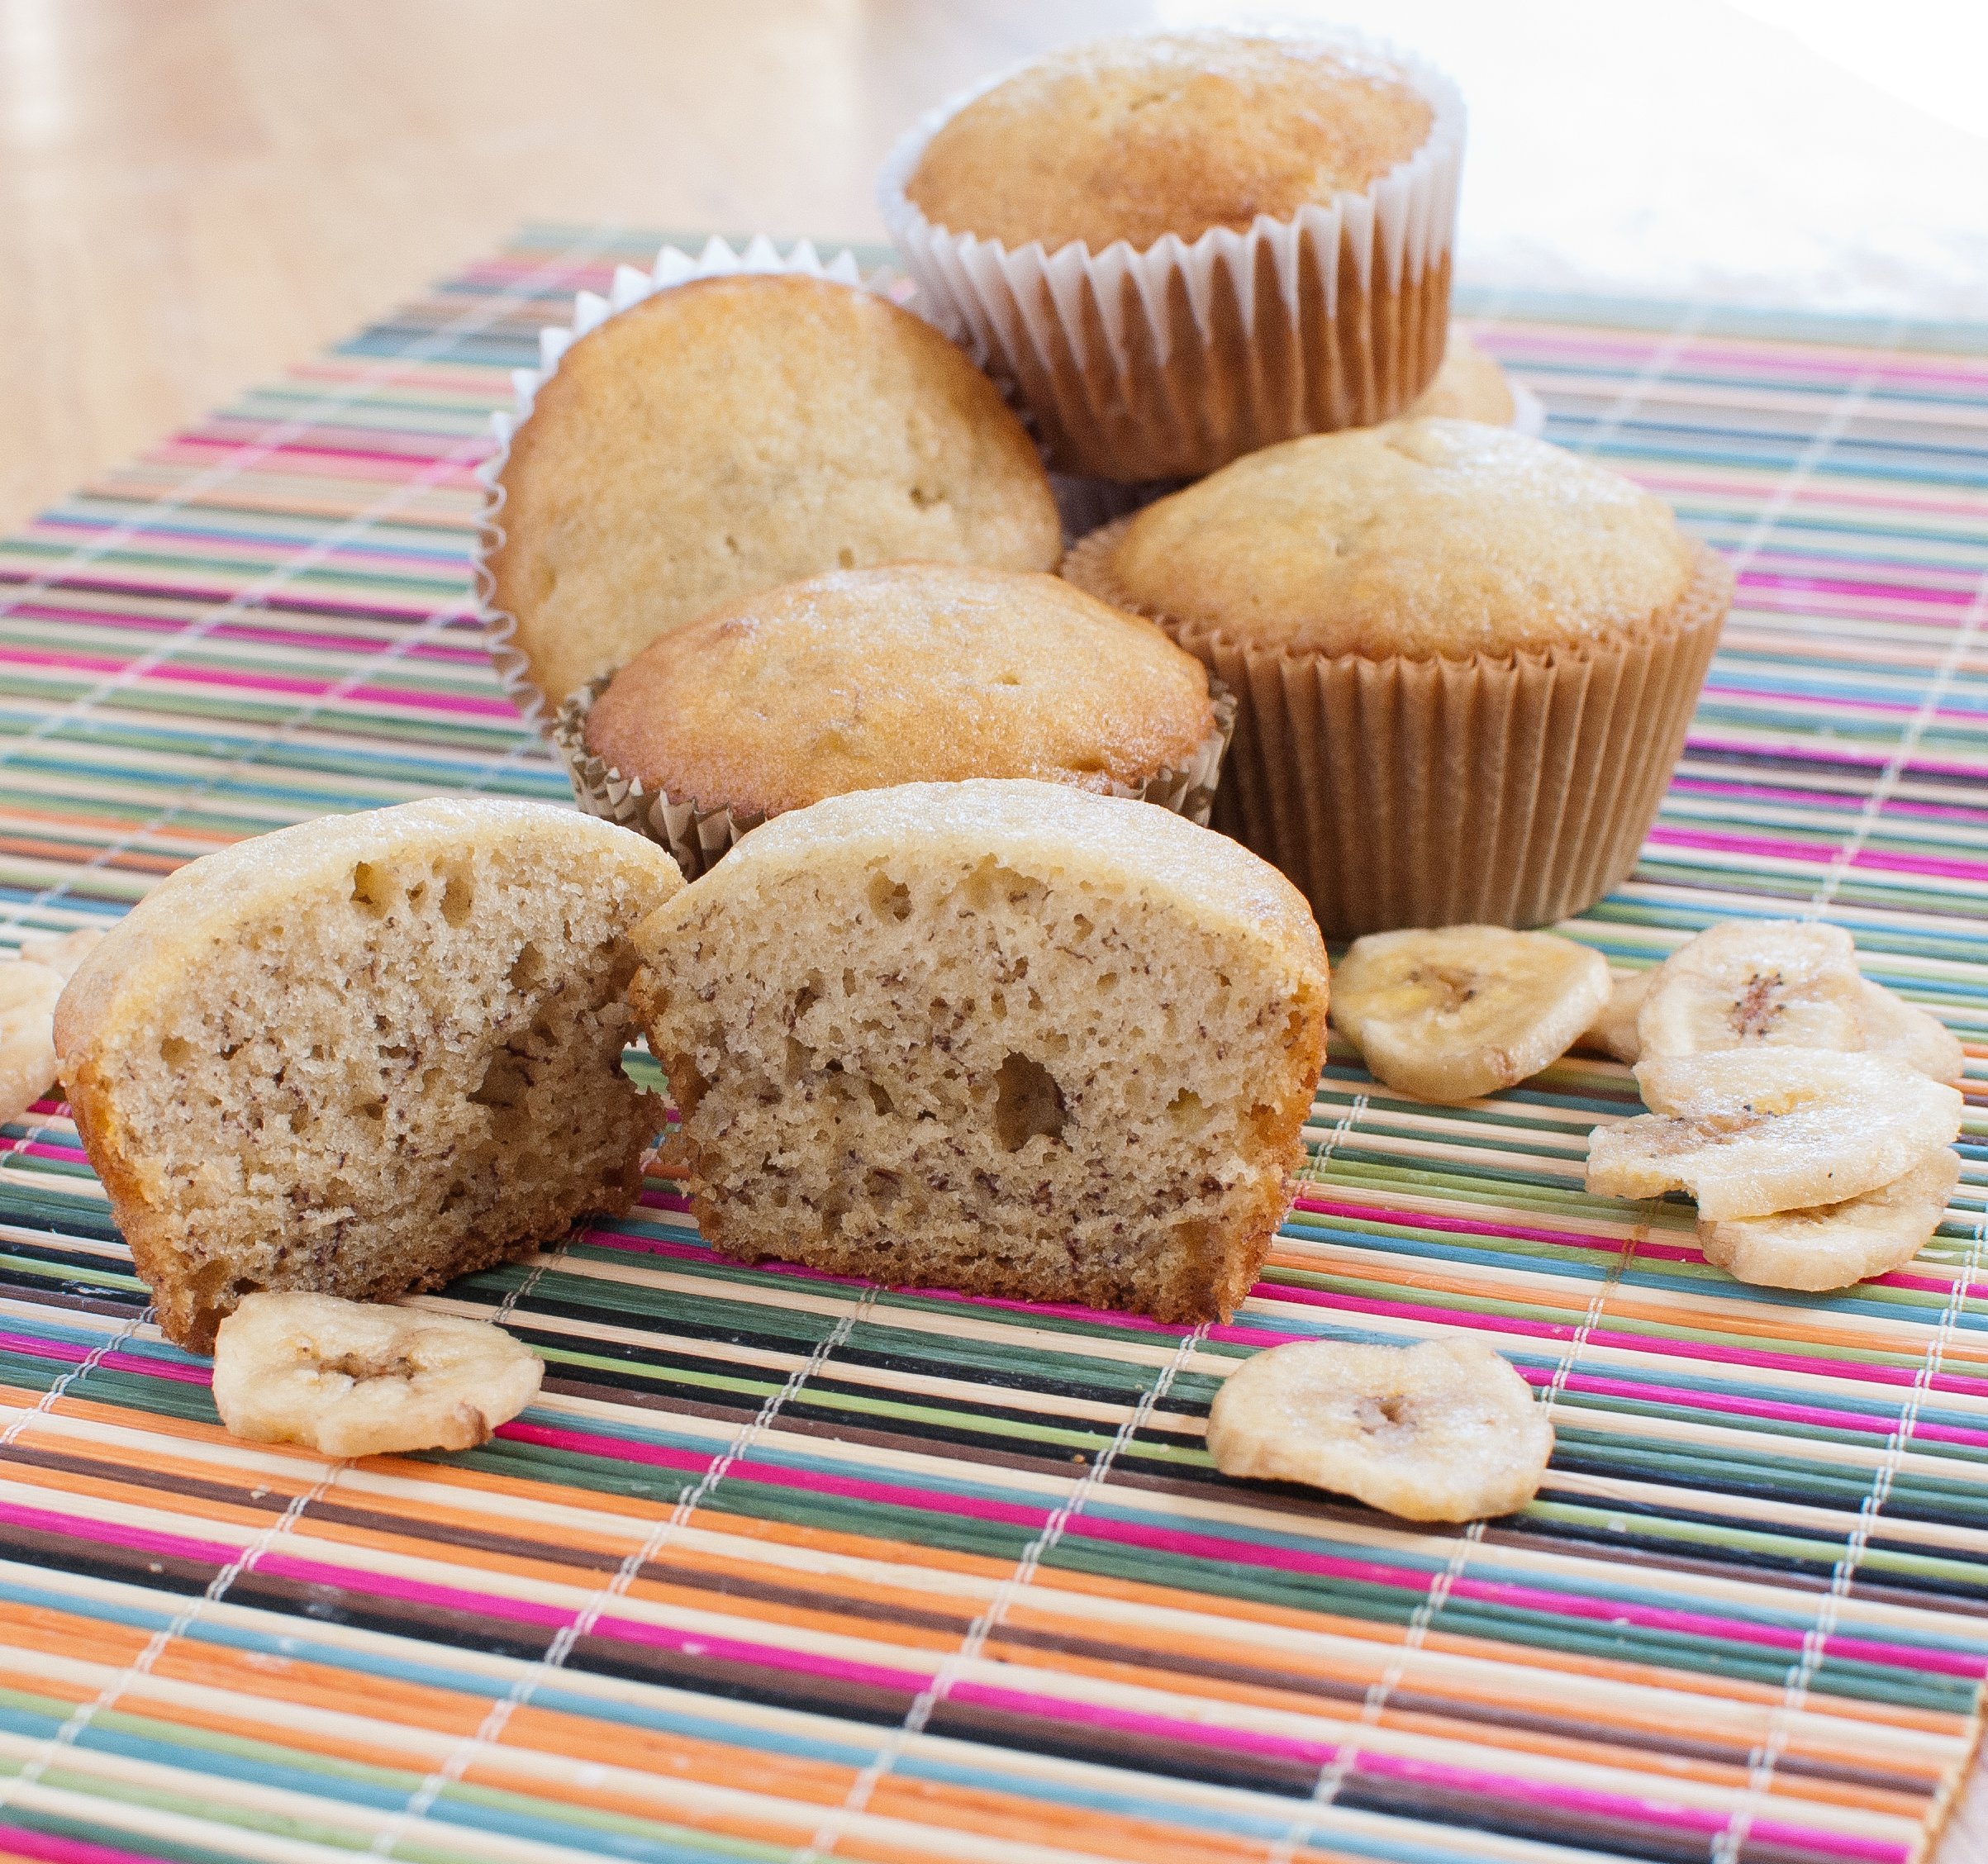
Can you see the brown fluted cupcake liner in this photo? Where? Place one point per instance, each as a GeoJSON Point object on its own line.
{"type": "Point", "coordinates": [1401, 791]}
{"type": "Point", "coordinates": [1169, 363]}
{"type": "Point", "coordinates": [699, 835]}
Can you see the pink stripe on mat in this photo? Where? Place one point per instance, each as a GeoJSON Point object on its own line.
{"type": "Point", "coordinates": [767, 1657]}
{"type": "Point", "coordinates": [364, 1581]}
{"type": "Point", "coordinates": [24, 1843]}
{"type": "Point", "coordinates": [113, 1533]}
{"type": "Point", "coordinates": [1489, 1787]}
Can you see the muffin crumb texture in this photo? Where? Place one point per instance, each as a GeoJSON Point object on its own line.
{"type": "Point", "coordinates": [1005, 1037]}
{"type": "Point", "coordinates": [1133, 139]}
{"type": "Point", "coordinates": [381, 1063]}
{"type": "Point", "coordinates": [1422, 538]}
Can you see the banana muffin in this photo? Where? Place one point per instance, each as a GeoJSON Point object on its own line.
{"type": "Point", "coordinates": [918, 673]}
{"type": "Point", "coordinates": [999, 1036]}
{"type": "Point", "coordinates": [730, 434]}
{"type": "Point", "coordinates": [1465, 662]}
{"type": "Point", "coordinates": [366, 1053]}
{"type": "Point", "coordinates": [1136, 138]}
{"type": "Point", "coordinates": [1180, 247]}
{"type": "Point", "coordinates": [1469, 385]}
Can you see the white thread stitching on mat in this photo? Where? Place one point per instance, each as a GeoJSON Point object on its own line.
{"type": "Point", "coordinates": [830, 1832]}
{"type": "Point", "coordinates": [16, 1149]}
{"type": "Point", "coordinates": [548, 1260]}
{"type": "Point", "coordinates": [492, 1728]}
{"type": "Point", "coordinates": [1639, 1235]}
{"type": "Point", "coordinates": [528, 747]}
{"type": "Point", "coordinates": [1848, 406]}
{"type": "Point", "coordinates": [81, 1370]}
{"type": "Point", "coordinates": [366, 670]}
{"type": "Point", "coordinates": [1346, 1121]}
{"type": "Point", "coordinates": [273, 437]}
{"type": "Point", "coordinates": [1333, 1777]}
{"type": "Point", "coordinates": [106, 1698]}
{"type": "Point", "coordinates": [1653, 371]}
{"type": "Point", "coordinates": [1889, 778]}
{"type": "Point", "coordinates": [1763, 1760]}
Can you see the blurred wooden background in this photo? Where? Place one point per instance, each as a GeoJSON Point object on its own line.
{"type": "Point", "coordinates": [195, 192]}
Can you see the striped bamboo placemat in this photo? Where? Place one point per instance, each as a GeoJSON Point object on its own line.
{"type": "Point", "coordinates": [783, 1568]}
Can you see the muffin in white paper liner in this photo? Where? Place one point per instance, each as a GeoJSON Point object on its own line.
{"type": "Point", "coordinates": [589, 309]}
{"type": "Point", "coordinates": [1169, 363]}
{"type": "Point", "coordinates": [699, 835]}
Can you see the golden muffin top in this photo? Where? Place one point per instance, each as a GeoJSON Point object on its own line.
{"type": "Point", "coordinates": [1468, 386]}
{"type": "Point", "coordinates": [1422, 538]}
{"type": "Point", "coordinates": [733, 434]}
{"type": "Point", "coordinates": [1134, 138]}
{"type": "Point", "coordinates": [912, 673]}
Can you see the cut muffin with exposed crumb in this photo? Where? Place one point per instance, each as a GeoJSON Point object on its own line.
{"type": "Point", "coordinates": [1002, 1036]}
{"type": "Point", "coordinates": [365, 1054]}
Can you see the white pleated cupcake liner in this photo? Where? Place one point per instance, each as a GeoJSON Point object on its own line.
{"type": "Point", "coordinates": [1092, 344]}
{"type": "Point", "coordinates": [699, 835]}
{"type": "Point", "coordinates": [590, 310]}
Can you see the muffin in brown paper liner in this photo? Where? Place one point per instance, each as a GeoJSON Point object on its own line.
{"type": "Point", "coordinates": [1403, 791]}
{"type": "Point", "coordinates": [699, 833]}
{"type": "Point", "coordinates": [1169, 362]}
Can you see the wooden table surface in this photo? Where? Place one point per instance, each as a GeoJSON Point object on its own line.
{"type": "Point", "coordinates": [193, 195]}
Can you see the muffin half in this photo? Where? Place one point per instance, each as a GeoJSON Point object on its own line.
{"type": "Point", "coordinates": [1000, 1037]}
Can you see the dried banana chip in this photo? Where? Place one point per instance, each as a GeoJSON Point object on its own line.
{"type": "Point", "coordinates": [1444, 1431]}
{"type": "Point", "coordinates": [1753, 982]}
{"type": "Point", "coordinates": [61, 952]}
{"type": "Point", "coordinates": [1894, 1027]}
{"type": "Point", "coordinates": [1834, 1245]}
{"type": "Point", "coordinates": [1613, 1030]}
{"type": "Point", "coordinates": [27, 1036]}
{"type": "Point", "coordinates": [1459, 1012]}
{"type": "Point", "coordinates": [28, 989]}
{"type": "Point", "coordinates": [1752, 1131]}
{"type": "Point", "coordinates": [353, 1379]}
